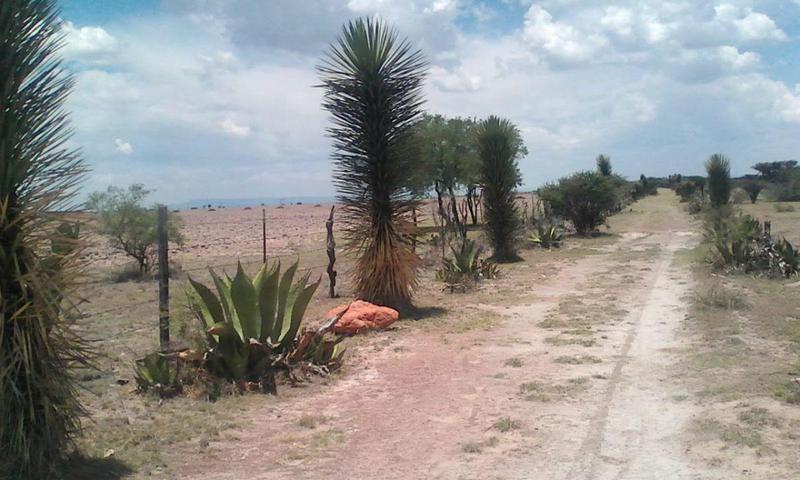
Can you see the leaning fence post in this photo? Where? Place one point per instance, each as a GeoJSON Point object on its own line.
{"type": "Point", "coordinates": [163, 278]}
{"type": "Point", "coordinates": [331, 254]}
{"type": "Point", "coordinates": [264, 235]}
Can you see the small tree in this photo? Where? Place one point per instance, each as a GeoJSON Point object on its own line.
{"type": "Point", "coordinates": [604, 165]}
{"type": "Point", "coordinates": [773, 171]}
{"type": "Point", "coordinates": [686, 190]}
{"type": "Point", "coordinates": [753, 188]}
{"type": "Point", "coordinates": [718, 168]}
{"type": "Point", "coordinates": [584, 198]}
{"type": "Point", "coordinates": [499, 147]}
{"type": "Point", "coordinates": [133, 228]}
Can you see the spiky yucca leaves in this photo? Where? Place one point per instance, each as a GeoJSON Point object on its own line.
{"type": "Point", "coordinates": [718, 169]}
{"type": "Point", "coordinates": [38, 175]}
{"type": "Point", "coordinates": [499, 146]}
{"type": "Point", "coordinates": [373, 83]}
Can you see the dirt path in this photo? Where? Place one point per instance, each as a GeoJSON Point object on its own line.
{"type": "Point", "coordinates": [576, 382]}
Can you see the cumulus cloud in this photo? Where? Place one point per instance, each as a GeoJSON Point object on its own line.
{"type": "Point", "coordinates": [87, 40]}
{"type": "Point", "coordinates": [123, 147]}
{"type": "Point", "coordinates": [658, 85]}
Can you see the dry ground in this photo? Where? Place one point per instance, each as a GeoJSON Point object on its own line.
{"type": "Point", "coordinates": [605, 359]}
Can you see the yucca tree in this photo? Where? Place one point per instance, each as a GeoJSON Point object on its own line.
{"type": "Point", "coordinates": [718, 168]}
{"type": "Point", "coordinates": [499, 146]}
{"type": "Point", "coordinates": [38, 176]}
{"type": "Point", "coordinates": [604, 165]}
{"type": "Point", "coordinates": [373, 83]}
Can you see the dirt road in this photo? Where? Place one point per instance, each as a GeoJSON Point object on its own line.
{"type": "Point", "coordinates": [576, 381]}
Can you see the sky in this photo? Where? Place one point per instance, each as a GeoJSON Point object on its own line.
{"type": "Point", "coordinates": [217, 98]}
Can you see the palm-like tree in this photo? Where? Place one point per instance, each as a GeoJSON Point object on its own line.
{"type": "Point", "coordinates": [38, 176]}
{"type": "Point", "coordinates": [373, 83]}
{"type": "Point", "coordinates": [604, 165]}
{"type": "Point", "coordinates": [499, 146]}
{"type": "Point", "coordinates": [718, 168]}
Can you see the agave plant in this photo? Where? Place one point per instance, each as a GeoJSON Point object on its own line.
{"type": "Point", "coordinates": [156, 372]}
{"type": "Point", "coordinates": [466, 265]}
{"type": "Point", "coordinates": [547, 236]}
{"type": "Point", "coordinates": [373, 86]}
{"type": "Point", "coordinates": [39, 175]}
{"type": "Point", "coordinates": [251, 324]}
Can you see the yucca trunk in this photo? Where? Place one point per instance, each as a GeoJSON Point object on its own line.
{"type": "Point", "coordinates": [38, 175]}
{"type": "Point", "coordinates": [373, 87]}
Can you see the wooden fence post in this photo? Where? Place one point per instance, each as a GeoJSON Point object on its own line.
{"type": "Point", "coordinates": [331, 255]}
{"type": "Point", "coordinates": [163, 278]}
{"type": "Point", "coordinates": [264, 235]}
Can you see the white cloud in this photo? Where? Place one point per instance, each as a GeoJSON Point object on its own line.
{"type": "Point", "coordinates": [232, 128]}
{"type": "Point", "coordinates": [124, 148]}
{"type": "Point", "coordinates": [657, 85]}
{"type": "Point", "coordinates": [559, 41]}
{"type": "Point", "coordinates": [87, 40]}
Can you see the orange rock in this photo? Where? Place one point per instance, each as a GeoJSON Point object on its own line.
{"type": "Point", "coordinates": [363, 316]}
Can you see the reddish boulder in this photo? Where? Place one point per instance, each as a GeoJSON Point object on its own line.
{"type": "Point", "coordinates": [363, 316]}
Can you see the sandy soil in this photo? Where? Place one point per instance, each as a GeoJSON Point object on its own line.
{"type": "Point", "coordinates": [578, 381]}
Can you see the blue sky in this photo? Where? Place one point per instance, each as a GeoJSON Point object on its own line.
{"type": "Point", "coordinates": [215, 98]}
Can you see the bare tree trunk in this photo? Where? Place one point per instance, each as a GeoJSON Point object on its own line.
{"type": "Point", "coordinates": [460, 226]}
{"type": "Point", "coordinates": [442, 211]}
{"type": "Point", "coordinates": [331, 255]}
{"type": "Point", "coordinates": [473, 211]}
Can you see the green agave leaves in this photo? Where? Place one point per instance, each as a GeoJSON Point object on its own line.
{"type": "Point", "coordinates": [155, 372]}
{"type": "Point", "coordinates": [249, 320]}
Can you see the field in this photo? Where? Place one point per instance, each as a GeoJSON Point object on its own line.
{"type": "Point", "coordinates": [617, 355]}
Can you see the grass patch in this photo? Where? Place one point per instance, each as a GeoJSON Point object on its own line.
{"type": "Point", "coordinates": [758, 418]}
{"type": "Point", "coordinates": [731, 434]}
{"type": "Point", "coordinates": [717, 296]}
{"type": "Point", "coordinates": [577, 359]}
{"type": "Point", "coordinates": [311, 421]}
{"type": "Point", "coordinates": [515, 362]}
{"type": "Point", "coordinates": [327, 438]}
{"type": "Point", "coordinates": [561, 341]}
{"type": "Point", "coordinates": [477, 447]}
{"type": "Point", "coordinates": [788, 392]}
{"type": "Point", "coordinates": [506, 424]}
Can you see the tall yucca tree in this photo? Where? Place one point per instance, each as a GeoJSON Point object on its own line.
{"type": "Point", "coordinates": [39, 410]}
{"type": "Point", "coordinates": [373, 83]}
{"type": "Point", "coordinates": [499, 146]}
{"type": "Point", "coordinates": [604, 165]}
{"type": "Point", "coordinates": [718, 168]}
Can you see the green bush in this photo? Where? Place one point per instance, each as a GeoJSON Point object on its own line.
{"type": "Point", "coordinates": [718, 168]}
{"type": "Point", "coordinates": [583, 198]}
{"type": "Point", "coordinates": [686, 190]}
{"type": "Point", "coordinates": [466, 267]}
{"type": "Point", "coordinates": [499, 147]}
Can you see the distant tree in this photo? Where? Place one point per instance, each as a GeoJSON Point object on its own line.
{"type": "Point", "coordinates": [718, 168]}
{"type": "Point", "coordinates": [604, 165]}
{"type": "Point", "coordinates": [499, 147]}
{"type": "Point", "coordinates": [772, 171]}
{"type": "Point", "coordinates": [132, 228]}
{"type": "Point", "coordinates": [584, 198]}
{"type": "Point", "coordinates": [753, 188]}
{"type": "Point", "coordinates": [373, 89]}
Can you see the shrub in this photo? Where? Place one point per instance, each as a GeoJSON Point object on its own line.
{"type": "Point", "coordinates": [131, 227]}
{"type": "Point", "coordinates": [738, 243]}
{"type": "Point", "coordinates": [718, 169]}
{"type": "Point", "coordinates": [373, 89]}
{"type": "Point", "coordinates": [644, 187]}
{"type": "Point", "coordinates": [686, 190]}
{"type": "Point", "coordinates": [499, 146]}
{"type": "Point", "coordinates": [584, 198]}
